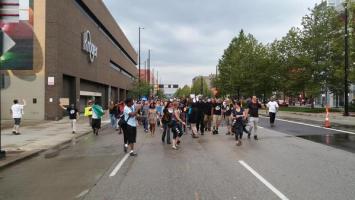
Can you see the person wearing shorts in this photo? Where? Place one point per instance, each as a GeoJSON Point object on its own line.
{"type": "Point", "coordinates": [228, 107]}
{"type": "Point", "coordinates": [130, 130]}
{"type": "Point", "coordinates": [217, 115]}
{"type": "Point", "coordinates": [17, 112]}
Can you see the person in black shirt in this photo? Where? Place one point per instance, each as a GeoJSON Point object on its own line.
{"type": "Point", "coordinates": [73, 115]}
{"type": "Point", "coordinates": [238, 115]}
{"type": "Point", "coordinates": [207, 115]}
{"type": "Point", "coordinates": [253, 111]}
{"type": "Point", "coordinates": [200, 116]}
{"type": "Point", "coordinates": [217, 115]}
{"type": "Point", "coordinates": [227, 109]}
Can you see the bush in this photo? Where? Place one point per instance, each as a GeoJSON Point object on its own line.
{"type": "Point", "coordinates": [308, 110]}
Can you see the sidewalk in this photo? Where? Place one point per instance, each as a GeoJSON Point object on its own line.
{"type": "Point", "coordinates": [39, 137]}
{"type": "Point", "coordinates": [336, 119]}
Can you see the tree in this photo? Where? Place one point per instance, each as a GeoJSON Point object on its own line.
{"type": "Point", "coordinates": [200, 85]}
{"type": "Point", "coordinates": [183, 92]}
{"type": "Point", "coordinates": [160, 94]}
{"type": "Point", "coordinates": [140, 89]}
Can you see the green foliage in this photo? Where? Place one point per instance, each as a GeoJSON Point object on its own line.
{"type": "Point", "coordinates": [200, 85]}
{"type": "Point", "coordinates": [308, 110]}
{"type": "Point", "coordinates": [309, 60]}
{"type": "Point", "coordinates": [160, 94]}
{"type": "Point", "coordinates": [140, 89]}
{"type": "Point", "coordinates": [183, 92]}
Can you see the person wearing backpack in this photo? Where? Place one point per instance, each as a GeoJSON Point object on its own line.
{"type": "Point", "coordinates": [97, 113]}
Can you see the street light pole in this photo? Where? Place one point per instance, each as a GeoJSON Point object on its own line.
{"type": "Point", "coordinates": [346, 63]}
{"type": "Point", "coordinates": [139, 61]}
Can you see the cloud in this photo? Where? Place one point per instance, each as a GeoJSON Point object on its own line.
{"type": "Point", "coordinates": [187, 37]}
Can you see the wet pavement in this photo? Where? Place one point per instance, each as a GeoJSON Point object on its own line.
{"type": "Point", "coordinates": [330, 137]}
{"type": "Point", "coordinates": [340, 140]}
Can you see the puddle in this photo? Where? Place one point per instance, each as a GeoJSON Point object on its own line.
{"type": "Point", "coordinates": [341, 141]}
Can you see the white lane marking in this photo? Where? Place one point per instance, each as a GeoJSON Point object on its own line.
{"type": "Point", "coordinates": [258, 176]}
{"type": "Point", "coordinates": [332, 129]}
{"type": "Point", "coordinates": [119, 165]}
{"type": "Point", "coordinates": [83, 193]}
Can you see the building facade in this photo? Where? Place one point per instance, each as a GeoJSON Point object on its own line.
{"type": "Point", "coordinates": [79, 53]}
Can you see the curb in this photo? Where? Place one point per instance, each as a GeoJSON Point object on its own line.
{"type": "Point", "coordinates": [52, 151]}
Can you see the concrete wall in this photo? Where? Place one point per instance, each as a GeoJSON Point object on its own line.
{"type": "Point", "coordinates": [66, 21]}
{"type": "Point", "coordinates": [28, 84]}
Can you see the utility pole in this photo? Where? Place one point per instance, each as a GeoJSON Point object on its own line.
{"type": "Point", "coordinates": [346, 63]}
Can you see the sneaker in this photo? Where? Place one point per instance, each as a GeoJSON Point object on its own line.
{"type": "Point", "coordinates": [14, 132]}
{"type": "Point", "coordinates": [133, 154]}
{"type": "Point", "coordinates": [125, 148]}
{"type": "Point", "coordinates": [17, 133]}
{"type": "Point", "coordinates": [249, 135]}
{"type": "Point", "coordinates": [174, 147]}
{"type": "Point", "coordinates": [239, 143]}
{"type": "Point", "coordinates": [255, 137]}
{"type": "Point", "coordinates": [194, 136]}
{"type": "Point", "coordinates": [73, 132]}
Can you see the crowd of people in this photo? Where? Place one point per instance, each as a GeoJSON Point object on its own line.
{"type": "Point", "coordinates": [174, 117]}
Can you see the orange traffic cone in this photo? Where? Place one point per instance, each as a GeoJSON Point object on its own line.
{"type": "Point", "coordinates": [327, 121]}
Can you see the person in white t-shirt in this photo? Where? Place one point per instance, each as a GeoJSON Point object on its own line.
{"type": "Point", "coordinates": [273, 108]}
{"type": "Point", "coordinates": [17, 112]}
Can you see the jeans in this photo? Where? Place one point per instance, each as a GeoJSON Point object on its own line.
{"type": "Point", "coordinates": [253, 122]}
{"type": "Point", "coordinates": [272, 117]}
{"type": "Point", "coordinates": [73, 124]}
{"type": "Point", "coordinates": [166, 133]}
{"type": "Point", "coordinates": [113, 120]}
{"type": "Point", "coordinates": [238, 131]}
{"type": "Point", "coordinates": [200, 124]}
{"type": "Point", "coordinates": [145, 123]}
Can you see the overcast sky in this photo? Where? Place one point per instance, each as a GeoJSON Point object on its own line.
{"type": "Point", "coordinates": [187, 37]}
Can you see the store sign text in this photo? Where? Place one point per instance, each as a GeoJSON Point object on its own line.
{"type": "Point", "coordinates": [88, 46]}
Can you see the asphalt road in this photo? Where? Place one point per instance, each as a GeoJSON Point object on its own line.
{"type": "Point", "coordinates": [332, 137]}
{"type": "Point", "coordinates": [278, 166]}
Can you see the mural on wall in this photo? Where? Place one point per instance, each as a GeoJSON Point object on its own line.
{"type": "Point", "coordinates": [20, 50]}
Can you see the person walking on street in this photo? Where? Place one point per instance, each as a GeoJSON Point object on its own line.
{"type": "Point", "coordinates": [217, 115]}
{"type": "Point", "coordinates": [113, 111]}
{"type": "Point", "coordinates": [97, 113]}
{"type": "Point", "coordinates": [253, 111]}
{"type": "Point", "coordinates": [200, 116]}
{"type": "Point", "coordinates": [167, 122]}
{"type": "Point", "coordinates": [73, 115]}
{"type": "Point", "coordinates": [238, 115]}
{"type": "Point", "coordinates": [144, 117]}
{"type": "Point", "coordinates": [130, 130]}
{"type": "Point", "coordinates": [273, 108]}
{"type": "Point", "coordinates": [208, 115]}
{"type": "Point", "coordinates": [193, 114]}
{"type": "Point", "coordinates": [88, 111]}
{"type": "Point", "coordinates": [120, 112]}
{"type": "Point", "coordinates": [177, 129]}
{"type": "Point", "coordinates": [152, 118]}
{"type": "Point", "coordinates": [17, 112]}
{"type": "Point", "coordinates": [227, 108]}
